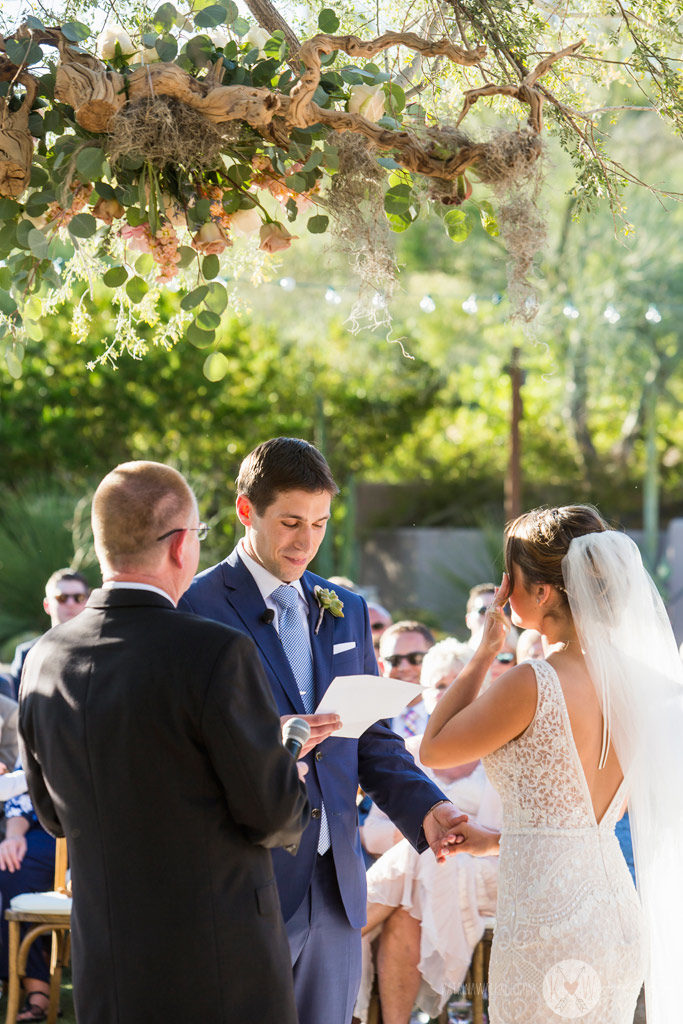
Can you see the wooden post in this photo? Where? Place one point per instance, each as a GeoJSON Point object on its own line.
{"type": "Point", "coordinates": [513, 479]}
{"type": "Point", "coordinates": [651, 478]}
{"type": "Point", "coordinates": [324, 560]}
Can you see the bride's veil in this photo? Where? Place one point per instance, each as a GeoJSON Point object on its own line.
{"type": "Point", "coordinates": [635, 666]}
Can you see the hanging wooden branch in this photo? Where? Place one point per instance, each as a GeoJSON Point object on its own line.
{"type": "Point", "coordinates": [16, 141]}
{"type": "Point", "coordinates": [97, 94]}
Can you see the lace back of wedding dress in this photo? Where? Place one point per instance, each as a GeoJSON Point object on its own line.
{"type": "Point", "coordinates": [568, 940]}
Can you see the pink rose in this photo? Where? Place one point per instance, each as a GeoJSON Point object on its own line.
{"type": "Point", "coordinates": [275, 237]}
{"type": "Point", "coordinates": [211, 239]}
{"type": "Point", "coordinates": [137, 238]}
{"type": "Point", "coordinates": [108, 210]}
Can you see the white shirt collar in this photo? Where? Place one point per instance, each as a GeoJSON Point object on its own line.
{"type": "Point", "coordinates": [130, 585]}
{"type": "Point", "coordinates": [264, 579]}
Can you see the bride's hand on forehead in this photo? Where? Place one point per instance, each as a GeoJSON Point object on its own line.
{"type": "Point", "coordinates": [496, 623]}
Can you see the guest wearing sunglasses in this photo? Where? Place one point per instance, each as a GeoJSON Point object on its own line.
{"type": "Point", "coordinates": [66, 593]}
{"type": "Point", "coordinates": [401, 649]}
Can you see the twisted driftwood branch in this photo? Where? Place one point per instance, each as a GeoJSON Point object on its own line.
{"type": "Point", "coordinates": [524, 92]}
{"type": "Point", "coordinates": [96, 94]}
{"type": "Point", "coordinates": [16, 141]}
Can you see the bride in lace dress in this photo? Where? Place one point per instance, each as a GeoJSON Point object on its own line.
{"type": "Point", "coordinates": [568, 742]}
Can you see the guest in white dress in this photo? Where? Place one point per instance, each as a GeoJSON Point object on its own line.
{"type": "Point", "coordinates": [426, 918]}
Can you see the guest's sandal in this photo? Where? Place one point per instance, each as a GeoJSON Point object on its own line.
{"type": "Point", "coordinates": [30, 1011]}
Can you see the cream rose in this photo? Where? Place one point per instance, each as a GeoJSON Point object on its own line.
{"type": "Point", "coordinates": [107, 40]}
{"type": "Point", "coordinates": [275, 237]}
{"type": "Point", "coordinates": [245, 222]}
{"type": "Point", "coordinates": [211, 239]}
{"type": "Point", "coordinates": [367, 100]}
{"type": "Point", "coordinates": [257, 38]}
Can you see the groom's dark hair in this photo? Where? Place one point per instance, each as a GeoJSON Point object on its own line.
{"type": "Point", "coordinates": [283, 464]}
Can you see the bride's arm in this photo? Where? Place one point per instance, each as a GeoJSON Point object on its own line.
{"type": "Point", "coordinates": [464, 725]}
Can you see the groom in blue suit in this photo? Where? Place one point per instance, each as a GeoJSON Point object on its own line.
{"type": "Point", "coordinates": [284, 491]}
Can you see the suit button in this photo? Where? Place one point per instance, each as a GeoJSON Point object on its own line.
{"type": "Point", "coordinates": [318, 755]}
{"type": "Point", "coordinates": [315, 813]}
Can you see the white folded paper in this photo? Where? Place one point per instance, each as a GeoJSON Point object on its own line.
{"type": "Point", "coordinates": [362, 700]}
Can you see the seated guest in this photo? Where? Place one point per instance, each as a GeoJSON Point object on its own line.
{"type": "Point", "coordinates": [428, 917]}
{"type": "Point", "coordinates": [66, 593]}
{"type": "Point", "coordinates": [27, 864]}
{"type": "Point", "coordinates": [401, 650]}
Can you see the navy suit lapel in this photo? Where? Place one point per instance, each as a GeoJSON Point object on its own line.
{"type": "Point", "coordinates": [321, 644]}
{"type": "Point", "coordinates": [245, 598]}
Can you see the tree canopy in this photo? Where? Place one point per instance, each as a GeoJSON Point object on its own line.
{"type": "Point", "coordinates": [139, 144]}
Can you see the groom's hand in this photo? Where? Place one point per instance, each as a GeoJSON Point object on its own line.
{"type": "Point", "coordinates": [442, 826]}
{"type": "Point", "coordinates": [322, 726]}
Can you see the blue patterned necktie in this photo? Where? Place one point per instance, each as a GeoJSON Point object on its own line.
{"type": "Point", "coordinates": [292, 633]}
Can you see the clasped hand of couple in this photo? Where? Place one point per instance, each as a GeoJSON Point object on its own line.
{"type": "Point", "coordinates": [446, 830]}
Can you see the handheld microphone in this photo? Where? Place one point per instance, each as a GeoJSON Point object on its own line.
{"type": "Point", "coordinates": [267, 616]}
{"type": "Point", "coordinates": [295, 732]}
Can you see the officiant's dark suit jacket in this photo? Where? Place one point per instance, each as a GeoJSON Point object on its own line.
{"type": "Point", "coordinates": [378, 760]}
{"type": "Point", "coordinates": [151, 740]}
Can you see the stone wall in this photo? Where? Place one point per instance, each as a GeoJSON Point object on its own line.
{"type": "Point", "coordinates": [428, 572]}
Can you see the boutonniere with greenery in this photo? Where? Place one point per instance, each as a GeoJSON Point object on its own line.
{"type": "Point", "coordinates": [327, 599]}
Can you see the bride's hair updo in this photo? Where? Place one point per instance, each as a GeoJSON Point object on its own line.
{"type": "Point", "coordinates": [538, 541]}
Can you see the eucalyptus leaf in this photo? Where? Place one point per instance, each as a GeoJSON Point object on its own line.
{"type": "Point", "coordinates": [210, 266]}
{"type": "Point", "coordinates": [207, 320]}
{"type": "Point", "coordinates": [24, 227]}
{"type": "Point", "coordinates": [488, 219]}
{"type": "Point", "coordinates": [231, 11]}
{"type": "Point", "coordinates": [328, 21]}
{"type": "Point", "coordinates": [210, 17]}
{"type": "Point", "coordinates": [351, 76]}
{"type": "Point", "coordinates": [193, 298]}
{"type": "Point", "coordinates": [25, 52]}
{"type": "Point", "coordinates": [75, 31]}
{"type": "Point", "coordinates": [240, 27]}
{"type": "Point", "coordinates": [458, 225]}
{"type": "Point", "coordinates": [38, 244]}
{"type": "Point", "coordinates": [89, 162]}
{"type": "Point", "coordinates": [165, 17]}
{"type": "Point", "coordinates": [7, 303]}
{"type": "Point", "coordinates": [104, 190]}
{"type": "Point", "coordinates": [399, 221]}
{"type": "Point", "coordinates": [136, 289]}
{"type": "Point", "coordinates": [216, 367]}
{"type": "Point", "coordinates": [8, 209]}
{"type": "Point", "coordinates": [397, 199]}
{"type": "Point", "coordinates": [216, 298]}
{"type": "Point", "coordinates": [200, 50]}
{"type": "Point", "coordinates": [167, 48]}
{"type": "Point", "coordinates": [318, 225]}
{"type": "Point", "coordinates": [83, 225]}
{"type": "Point", "coordinates": [199, 338]}
{"type": "Point", "coordinates": [13, 363]}
{"type": "Point", "coordinates": [115, 277]}
{"type": "Point", "coordinates": [38, 176]}
{"type": "Point", "coordinates": [187, 255]}
{"type": "Point", "coordinates": [144, 264]}
{"type": "Point", "coordinates": [395, 96]}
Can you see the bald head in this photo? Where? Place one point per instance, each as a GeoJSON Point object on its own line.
{"type": "Point", "coordinates": [133, 506]}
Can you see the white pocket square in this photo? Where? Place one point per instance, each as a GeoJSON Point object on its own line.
{"type": "Point", "coordinates": [348, 646]}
